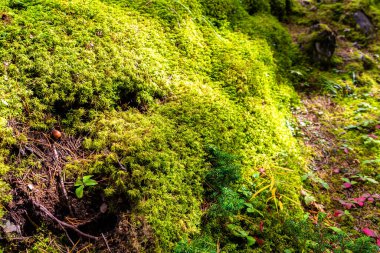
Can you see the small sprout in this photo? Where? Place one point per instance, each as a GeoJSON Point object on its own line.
{"type": "Point", "coordinates": [366, 178]}
{"type": "Point", "coordinates": [82, 183]}
{"type": "Point", "coordinates": [337, 230]}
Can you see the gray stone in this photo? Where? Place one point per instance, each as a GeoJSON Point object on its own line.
{"type": "Point", "coordinates": [364, 23]}
{"type": "Point", "coordinates": [9, 227]}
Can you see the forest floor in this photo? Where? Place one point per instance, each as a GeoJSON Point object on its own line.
{"type": "Point", "coordinates": [339, 121]}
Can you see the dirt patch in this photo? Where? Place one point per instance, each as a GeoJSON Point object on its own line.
{"type": "Point", "coordinates": [332, 162]}
{"type": "Point", "coordinates": [43, 198]}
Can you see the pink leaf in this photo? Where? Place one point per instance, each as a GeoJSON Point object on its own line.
{"type": "Point", "coordinates": [378, 241]}
{"type": "Point", "coordinates": [369, 232]}
{"type": "Point", "coordinates": [347, 185]}
{"type": "Point", "coordinates": [373, 136]}
{"type": "Point", "coordinates": [366, 195]}
{"type": "Point", "coordinates": [348, 205]}
{"type": "Point", "coordinates": [360, 203]}
{"type": "Point", "coordinates": [361, 199]}
{"type": "Point", "coordinates": [377, 127]}
{"type": "Point", "coordinates": [376, 196]}
{"type": "Point", "coordinates": [346, 150]}
{"type": "Point", "coordinates": [345, 204]}
{"type": "Point", "coordinates": [370, 200]}
{"type": "Point", "coordinates": [336, 171]}
{"type": "Point", "coordinates": [338, 213]}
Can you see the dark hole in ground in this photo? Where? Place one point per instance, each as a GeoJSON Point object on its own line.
{"type": "Point", "coordinates": [102, 224]}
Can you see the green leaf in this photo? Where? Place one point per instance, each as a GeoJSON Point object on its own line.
{"type": "Point", "coordinates": [79, 191]}
{"type": "Point", "coordinates": [90, 182]}
{"type": "Point", "coordinates": [371, 180]}
{"type": "Point", "coordinates": [85, 178]}
{"type": "Point", "coordinates": [324, 184]}
{"type": "Point", "coordinates": [254, 210]}
{"type": "Point", "coordinates": [350, 127]}
{"type": "Point", "coordinates": [78, 182]}
{"type": "Point", "coordinates": [87, 181]}
{"type": "Point", "coordinates": [237, 230]}
{"type": "Point", "coordinates": [337, 230]}
{"type": "Point", "coordinates": [256, 175]}
{"type": "Point", "coordinates": [250, 240]}
{"type": "Point", "coordinates": [321, 216]}
{"type": "Point", "coordinates": [309, 199]}
{"type": "Point", "coordinates": [371, 161]}
{"type": "Point", "coordinates": [306, 176]}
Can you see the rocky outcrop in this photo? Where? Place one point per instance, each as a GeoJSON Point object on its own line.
{"type": "Point", "coordinates": [319, 45]}
{"type": "Point", "coordinates": [364, 23]}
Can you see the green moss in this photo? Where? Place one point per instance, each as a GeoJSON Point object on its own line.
{"type": "Point", "coordinates": [151, 85]}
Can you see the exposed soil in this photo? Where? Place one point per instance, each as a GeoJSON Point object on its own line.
{"type": "Point", "coordinates": [352, 207]}
{"type": "Point", "coordinates": [44, 199]}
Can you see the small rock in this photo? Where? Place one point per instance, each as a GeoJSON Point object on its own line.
{"type": "Point", "coordinates": [9, 227]}
{"type": "Point", "coordinates": [31, 187]}
{"type": "Point", "coordinates": [103, 208]}
{"type": "Point", "coordinates": [364, 23]}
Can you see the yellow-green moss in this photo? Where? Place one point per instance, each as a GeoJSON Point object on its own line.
{"type": "Point", "coordinates": [152, 84]}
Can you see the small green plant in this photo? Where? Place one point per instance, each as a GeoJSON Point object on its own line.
{"type": "Point", "coordinates": [238, 231]}
{"type": "Point", "coordinates": [81, 183]}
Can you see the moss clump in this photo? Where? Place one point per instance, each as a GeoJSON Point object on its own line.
{"type": "Point", "coordinates": [151, 88]}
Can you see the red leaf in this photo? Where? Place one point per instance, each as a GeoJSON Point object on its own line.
{"type": "Point", "coordinates": [259, 241]}
{"type": "Point", "coordinates": [369, 232]}
{"type": "Point", "coordinates": [347, 185]}
{"type": "Point", "coordinates": [338, 213]}
{"type": "Point", "coordinates": [261, 226]}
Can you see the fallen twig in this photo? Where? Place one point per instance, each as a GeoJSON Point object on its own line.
{"type": "Point", "coordinates": [62, 223]}
{"type": "Point", "coordinates": [105, 240]}
{"type": "Point", "coordinates": [64, 193]}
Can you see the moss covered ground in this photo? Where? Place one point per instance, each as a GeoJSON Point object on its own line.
{"type": "Point", "coordinates": [182, 112]}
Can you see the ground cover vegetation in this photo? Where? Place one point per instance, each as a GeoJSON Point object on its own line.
{"type": "Point", "coordinates": [178, 127]}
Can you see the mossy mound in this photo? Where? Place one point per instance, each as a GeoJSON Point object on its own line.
{"type": "Point", "coordinates": [152, 85]}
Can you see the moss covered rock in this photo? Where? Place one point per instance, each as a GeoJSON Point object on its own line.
{"type": "Point", "coordinates": [319, 45]}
